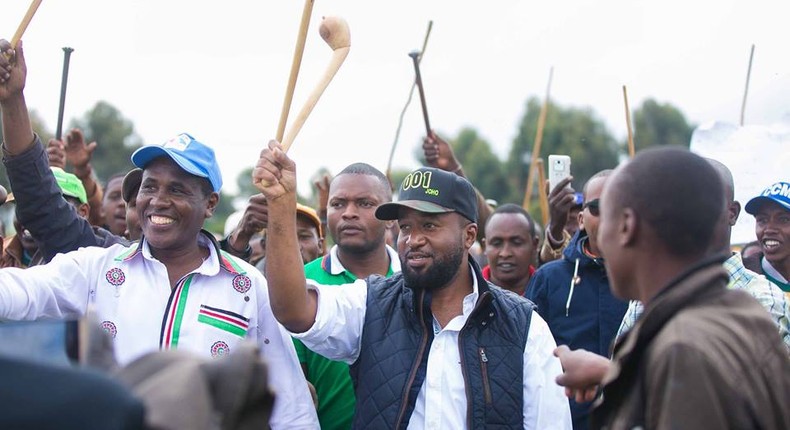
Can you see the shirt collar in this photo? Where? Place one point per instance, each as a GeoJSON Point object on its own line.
{"type": "Point", "coordinates": [471, 299]}
{"type": "Point", "coordinates": [771, 271]}
{"type": "Point", "coordinates": [332, 264]}
{"type": "Point", "coordinates": [217, 258]}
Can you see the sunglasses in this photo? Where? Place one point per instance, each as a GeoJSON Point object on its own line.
{"type": "Point", "coordinates": [593, 206]}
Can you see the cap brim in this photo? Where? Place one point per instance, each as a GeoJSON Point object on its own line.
{"type": "Point", "coordinates": [144, 155]}
{"type": "Point", "coordinates": [389, 211]}
{"type": "Point", "coordinates": [754, 204]}
{"type": "Point", "coordinates": [131, 184]}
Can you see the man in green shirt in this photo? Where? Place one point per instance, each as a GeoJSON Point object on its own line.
{"type": "Point", "coordinates": [359, 251]}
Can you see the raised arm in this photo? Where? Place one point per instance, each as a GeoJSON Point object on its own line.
{"type": "Point", "coordinates": [17, 131]}
{"type": "Point", "coordinates": [292, 304]}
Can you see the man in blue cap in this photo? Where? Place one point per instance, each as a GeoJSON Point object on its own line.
{"type": "Point", "coordinates": [435, 346]}
{"type": "Point", "coordinates": [771, 210]}
{"type": "Point", "coordinates": [173, 289]}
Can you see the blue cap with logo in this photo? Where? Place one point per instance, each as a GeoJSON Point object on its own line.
{"type": "Point", "coordinates": [778, 193]}
{"type": "Point", "coordinates": [433, 191]}
{"type": "Point", "coordinates": [194, 157]}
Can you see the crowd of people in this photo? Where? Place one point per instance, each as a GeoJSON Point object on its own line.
{"type": "Point", "coordinates": [630, 309]}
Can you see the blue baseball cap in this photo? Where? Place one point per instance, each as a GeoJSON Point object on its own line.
{"type": "Point", "coordinates": [192, 156]}
{"type": "Point", "coordinates": [778, 193]}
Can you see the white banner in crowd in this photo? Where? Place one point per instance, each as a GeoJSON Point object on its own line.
{"type": "Point", "coordinates": [758, 156]}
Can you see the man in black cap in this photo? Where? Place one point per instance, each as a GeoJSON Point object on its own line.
{"type": "Point", "coordinates": [435, 346]}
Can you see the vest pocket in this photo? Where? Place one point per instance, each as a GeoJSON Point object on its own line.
{"type": "Point", "coordinates": [484, 369]}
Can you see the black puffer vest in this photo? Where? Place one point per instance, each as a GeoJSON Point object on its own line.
{"type": "Point", "coordinates": [396, 340]}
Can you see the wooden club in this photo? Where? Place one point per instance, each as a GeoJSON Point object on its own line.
{"type": "Point", "coordinates": [335, 32]}
{"type": "Point", "coordinates": [295, 64]}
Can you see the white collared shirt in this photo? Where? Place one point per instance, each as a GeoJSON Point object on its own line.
{"type": "Point", "coordinates": [441, 403]}
{"type": "Point", "coordinates": [211, 310]}
{"type": "Point", "coordinates": [336, 267]}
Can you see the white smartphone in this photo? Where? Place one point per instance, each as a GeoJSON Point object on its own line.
{"type": "Point", "coordinates": [559, 169]}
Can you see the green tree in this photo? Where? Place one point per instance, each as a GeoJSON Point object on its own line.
{"type": "Point", "coordinates": [660, 124]}
{"type": "Point", "coordinates": [482, 167]}
{"type": "Point", "coordinates": [244, 183]}
{"type": "Point", "coordinates": [115, 137]}
{"type": "Point", "coordinates": [576, 132]}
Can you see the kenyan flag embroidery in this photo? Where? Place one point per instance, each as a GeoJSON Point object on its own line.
{"type": "Point", "coordinates": [224, 320]}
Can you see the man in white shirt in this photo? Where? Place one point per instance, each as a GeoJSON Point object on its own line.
{"type": "Point", "coordinates": [433, 347]}
{"type": "Point", "coordinates": [175, 289]}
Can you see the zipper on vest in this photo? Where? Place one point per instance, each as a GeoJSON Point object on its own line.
{"type": "Point", "coordinates": [484, 367]}
{"type": "Point", "coordinates": [415, 365]}
{"type": "Point", "coordinates": [483, 299]}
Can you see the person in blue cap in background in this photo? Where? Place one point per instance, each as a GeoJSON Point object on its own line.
{"type": "Point", "coordinates": [173, 289]}
{"type": "Point", "coordinates": [771, 210]}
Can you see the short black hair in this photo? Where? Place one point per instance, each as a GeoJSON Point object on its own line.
{"type": "Point", "coordinates": [677, 193]}
{"type": "Point", "coordinates": [114, 177]}
{"type": "Point", "coordinates": [512, 208]}
{"type": "Point", "coordinates": [601, 174]}
{"type": "Point", "coordinates": [367, 169]}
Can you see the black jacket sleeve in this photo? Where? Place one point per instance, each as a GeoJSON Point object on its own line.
{"type": "Point", "coordinates": [41, 208]}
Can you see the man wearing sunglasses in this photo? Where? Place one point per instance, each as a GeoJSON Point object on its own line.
{"type": "Point", "coordinates": [573, 295]}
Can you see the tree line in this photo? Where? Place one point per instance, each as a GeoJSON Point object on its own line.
{"type": "Point", "coordinates": [574, 131]}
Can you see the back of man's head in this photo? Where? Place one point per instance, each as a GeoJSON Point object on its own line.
{"type": "Point", "coordinates": [675, 192]}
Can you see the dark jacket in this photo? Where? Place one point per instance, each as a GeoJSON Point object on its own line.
{"type": "Point", "coordinates": [594, 315]}
{"type": "Point", "coordinates": [397, 339]}
{"type": "Point", "coordinates": [700, 357]}
{"type": "Point", "coordinates": [41, 208]}
{"type": "Point", "coordinates": [39, 396]}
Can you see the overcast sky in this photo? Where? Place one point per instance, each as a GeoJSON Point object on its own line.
{"type": "Point", "coordinates": [218, 70]}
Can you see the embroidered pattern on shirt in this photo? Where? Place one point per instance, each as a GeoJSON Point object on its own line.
{"type": "Point", "coordinates": [242, 283]}
{"type": "Point", "coordinates": [115, 276]}
{"type": "Point", "coordinates": [219, 349]}
{"type": "Point", "coordinates": [109, 327]}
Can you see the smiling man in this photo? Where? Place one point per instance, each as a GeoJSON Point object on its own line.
{"type": "Point", "coordinates": [435, 346]}
{"type": "Point", "coordinates": [175, 289]}
{"type": "Point", "coordinates": [771, 210]}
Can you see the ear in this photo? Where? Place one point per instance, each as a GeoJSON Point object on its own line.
{"type": "Point", "coordinates": [734, 210]}
{"type": "Point", "coordinates": [321, 245]}
{"type": "Point", "coordinates": [84, 210]}
{"type": "Point", "coordinates": [580, 218]}
{"type": "Point", "coordinates": [470, 235]}
{"type": "Point", "coordinates": [483, 245]}
{"type": "Point", "coordinates": [628, 227]}
{"type": "Point", "coordinates": [535, 242]}
{"type": "Point", "coordinates": [213, 201]}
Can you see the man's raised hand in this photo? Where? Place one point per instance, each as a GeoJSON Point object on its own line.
{"type": "Point", "coordinates": [275, 174]}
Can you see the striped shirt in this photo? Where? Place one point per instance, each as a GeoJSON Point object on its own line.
{"type": "Point", "coordinates": [769, 295]}
{"type": "Point", "coordinates": [209, 312]}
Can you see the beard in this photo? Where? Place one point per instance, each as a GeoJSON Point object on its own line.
{"type": "Point", "coordinates": [438, 275]}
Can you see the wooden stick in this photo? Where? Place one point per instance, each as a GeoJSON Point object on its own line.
{"type": "Point", "coordinates": [335, 32]}
{"type": "Point", "coordinates": [746, 91]}
{"type": "Point", "coordinates": [544, 198]}
{"type": "Point", "coordinates": [415, 56]}
{"type": "Point", "coordinates": [25, 22]}
{"type": "Point", "coordinates": [538, 141]}
{"type": "Point", "coordinates": [403, 112]}
{"type": "Point", "coordinates": [631, 149]}
{"type": "Point", "coordinates": [297, 62]}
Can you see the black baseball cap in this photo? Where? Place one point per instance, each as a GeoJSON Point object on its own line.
{"type": "Point", "coordinates": [433, 191]}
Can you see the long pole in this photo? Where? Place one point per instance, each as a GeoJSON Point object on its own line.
{"type": "Point", "coordinates": [746, 91]}
{"type": "Point", "coordinates": [408, 101]}
{"type": "Point", "coordinates": [63, 83]}
{"type": "Point", "coordinates": [295, 64]}
{"type": "Point", "coordinates": [536, 146]}
{"type": "Point", "coordinates": [544, 199]}
{"type": "Point", "coordinates": [415, 56]}
{"type": "Point", "coordinates": [25, 22]}
{"type": "Point", "coordinates": [631, 149]}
